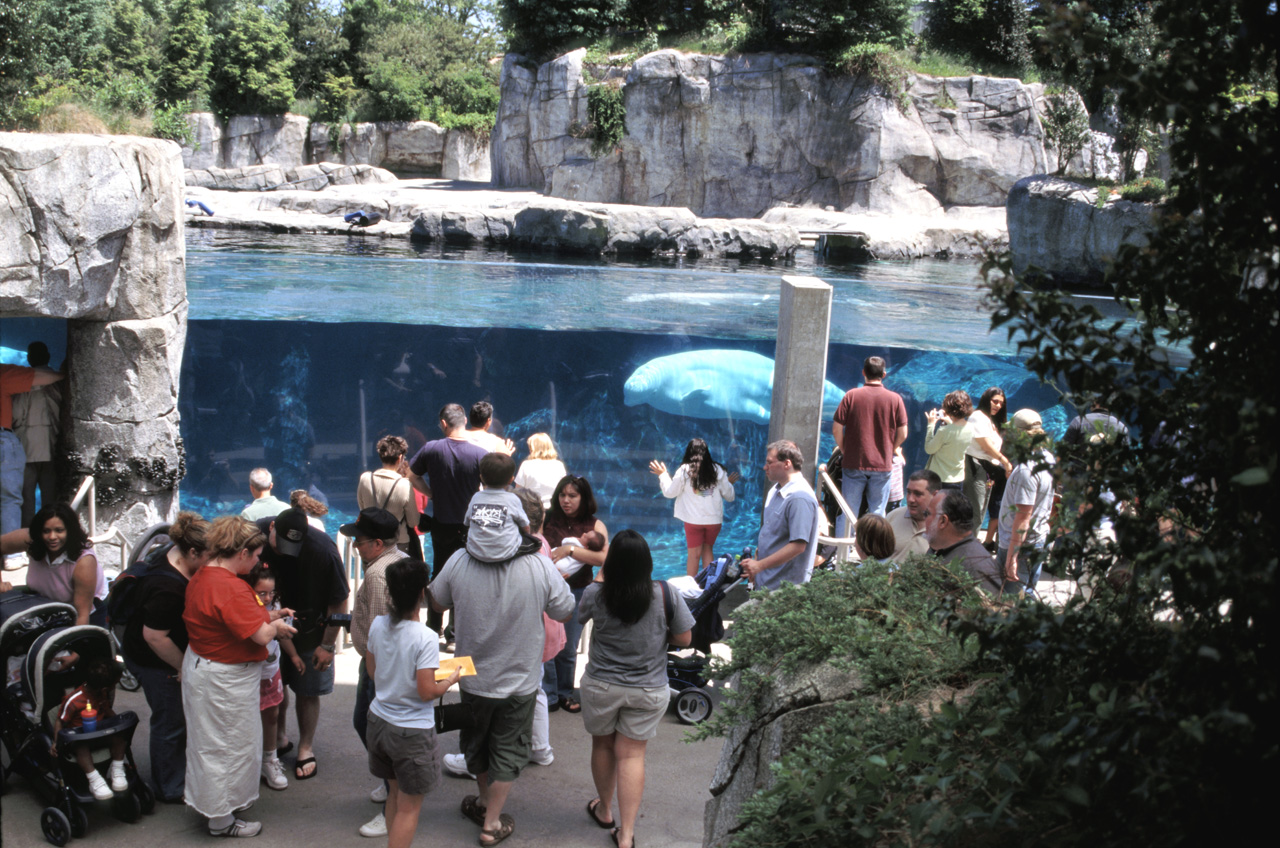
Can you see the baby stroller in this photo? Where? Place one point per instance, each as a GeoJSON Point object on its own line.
{"type": "Point", "coordinates": [33, 631]}
{"type": "Point", "coordinates": [686, 676]}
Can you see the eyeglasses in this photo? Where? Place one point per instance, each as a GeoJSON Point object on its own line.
{"type": "Point", "coordinates": [267, 596]}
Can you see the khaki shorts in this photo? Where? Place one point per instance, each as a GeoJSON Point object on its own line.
{"type": "Point", "coordinates": [408, 755]}
{"type": "Point", "coordinates": [633, 711]}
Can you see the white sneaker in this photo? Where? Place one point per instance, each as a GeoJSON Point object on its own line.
{"type": "Point", "coordinates": [273, 773]}
{"type": "Point", "coordinates": [119, 783]}
{"type": "Point", "coordinates": [456, 765]}
{"type": "Point", "coordinates": [379, 794]}
{"type": "Point", "coordinates": [376, 826]}
{"type": "Point", "coordinates": [239, 828]}
{"type": "Point", "coordinates": [98, 786]}
{"type": "Point", "coordinates": [543, 758]}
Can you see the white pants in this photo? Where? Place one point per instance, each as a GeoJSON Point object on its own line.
{"type": "Point", "coordinates": [224, 734]}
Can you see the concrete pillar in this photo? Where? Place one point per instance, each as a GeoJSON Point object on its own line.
{"type": "Point", "coordinates": [800, 365]}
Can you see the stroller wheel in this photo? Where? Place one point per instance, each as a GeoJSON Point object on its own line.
{"type": "Point", "coordinates": [128, 682]}
{"type": "Point", "coordinates": [693, 706]}
{"type": "Point", "coordinates": [126, 807]}
{"type": "Point", "coordinates": [55, 826]}
{"type": "Point", "coordinates": [146, 798]}
{"type": "Point", "coordinates": [79, 821]}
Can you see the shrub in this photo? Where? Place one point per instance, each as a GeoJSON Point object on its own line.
{"type": "Point", "coordinates": [995, 33]}
{"type": "Point", "coordinates": [334, 99]}
{"type": "Point", "coordinates": [607, 114]}
{"type": "Point", "coordinates": [540, 28]}
{"type": "Point", "coordinates": [1147, 190]}
{"type": "Point", "coordinates": [252, 76]}
{"type": "Point", "coordinates": [170, 121]}
{"type": "Point", "coordinates": [828, 27]}
{"type": "Point", "coordinates": [1066, 126]}
{"type": "Point", "coordinates": [186, 54]}
{"type": "Point", "coordinates": [878, 64]}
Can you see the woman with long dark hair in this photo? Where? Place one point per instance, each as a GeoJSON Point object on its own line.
{"type": "Point", "coordinates": [994, 408]}
{"type": "Point", "coordinates": [700, 487]}
{"type": "Point", "coordinates": [63, 566]}
{"type": "Point", "coordinates": [572, 513]}
{"type": "Point", "coordinates": [624, 687]}
{"type": "Point", "coordinates": [983, 459]}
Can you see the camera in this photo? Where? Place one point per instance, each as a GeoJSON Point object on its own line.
{"type": "Point", "coordinates": [339, 619]}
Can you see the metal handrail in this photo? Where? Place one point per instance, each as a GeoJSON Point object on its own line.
{"type": "Point", "coordinates": [88, 494]}
{"type": "Point", "coordinates": [844, 545]}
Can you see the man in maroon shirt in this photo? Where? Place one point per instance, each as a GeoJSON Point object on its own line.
{"type": "Point", "coordinates": [870, 424]}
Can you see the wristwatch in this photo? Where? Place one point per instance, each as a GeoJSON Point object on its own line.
{"type": "Point", "coordinates": [333, 649]}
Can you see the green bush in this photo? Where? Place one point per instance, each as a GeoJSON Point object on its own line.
{"type": "Point", "coordinates": [880, 65]}
{"type": "Point", "coordinates": [187, 52]}
{"type": "Point", "coordinates": [607, 114]}
{"type": "Point", "coordinates": [170, 121]}
{"type": "Point", "coordinates": [1146, 190]}
{"type": "Point", "coordinates": [827, 27]}
{"type": "Point", "coordinates": [334, 99]}
{"type": "Point", "coordinates": [544, 28]}
{"type": "Point", "coordinates": [1066, 126]}
{"type": "Point", "coordinates": [994, 33]}
{"type": "Point", "coordinates": [252, 74]}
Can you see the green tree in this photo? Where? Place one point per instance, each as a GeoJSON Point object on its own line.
{"type": "Point", "coordinates": [252, 75]}
{"type": "Point", "coordinates": [185, 75]}
{"type": "Point", "coordinates": [134, 40]}
{"type": "Point", "coordinates": [550, 27]}
{"type": "Point", "coordinates": [827, 27]}
{"type": "Point", "coordinates": [1066, 126]}
{"type": "Point", "coordinates": [407, 64]}
{"type": "Point", "coordinates": [315, 33]}
{"type": "Point", "coordinates": [23, 37]}
{"type": "Point", "coordinates": [76, 31]}
{"type": "Point", "coordinates": [994, 33]}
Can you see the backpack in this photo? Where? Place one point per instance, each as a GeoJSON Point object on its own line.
{"type": "Point", "coordinates": [124, 595]}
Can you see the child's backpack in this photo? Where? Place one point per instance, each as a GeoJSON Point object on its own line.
{"type": "Point", "coordinates": [123, 596]}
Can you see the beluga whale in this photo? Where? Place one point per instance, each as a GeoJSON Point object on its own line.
{"type": "Point", "coordinates": [713, 384]}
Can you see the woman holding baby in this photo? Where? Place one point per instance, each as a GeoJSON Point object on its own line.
{"type": "Point", "coordinates": [572, 517]}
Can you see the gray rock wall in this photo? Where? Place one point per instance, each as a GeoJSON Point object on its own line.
{"type": "Point", "coordinates": [292, 141]}
{"type": "Point", "coordinates": [1056, 225]}
{"type": "Point", "coordinates": [735, 136]}
{"type": "Point", "coordinates": [93, 233]}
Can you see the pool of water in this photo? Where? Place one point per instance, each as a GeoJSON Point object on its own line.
{"type": "Point", "coordinates": [303, 351]}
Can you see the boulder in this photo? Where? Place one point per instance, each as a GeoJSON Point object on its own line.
{"type": "Point", "coordinates": [306, 178]}
{"type": "Point", "coordinates": [266, 140]}
{"type": "Point", "coordinates": [735, 136]}
{"type": "Point", "coordinates": [95, 236]}
{"type": "Point", "coordinates": [1056, 226]}
{"type": "Point", "coordinates": [561, 227]}
{"type": "Point", "coordinates": [412, 147]}
{"type": "Point", "coordinates": [464, 227]}
{"type": "Point", "coordinates": [369, 175]}
{"type": "Point", "coordinates": [792, 706]}
{"type": "Point", "coordinates": [205, 149]}
{"type": "Point", "coordinates": [362, 144]}
{"type": "Point", "coordinates": [247, 178]}
{"type": "Point", "coordinates": [466, 157]}
{"type": "Point", "coordinates": [94, 227]}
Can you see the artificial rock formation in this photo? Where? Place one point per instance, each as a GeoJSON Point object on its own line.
{"type": "Point", "coordinates": [293, 141]}
{"type": "Point", "coordinates": [735, 136]}
{"type": "Point", "coordinates": [1057, 226]}
{"type": "Point", "coordinates": [278, 178]}
{"type": "Point", "coordinates": [93, 233]}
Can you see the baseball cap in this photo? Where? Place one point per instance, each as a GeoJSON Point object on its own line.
{"type": "Point", "coordinates": [1029, 420]}
{"type": "Point", "coordinates": [372, 523]}
{"type": "Point", "coordinates": [291, 529]}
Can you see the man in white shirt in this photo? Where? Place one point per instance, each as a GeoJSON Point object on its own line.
{"type": "Point", "coordinates": [1025, 510]}
{"type": "Point", "coordinates": [479, 420]}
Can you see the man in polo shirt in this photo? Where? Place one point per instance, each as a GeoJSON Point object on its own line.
{"type": "Point", "coordinates": [908, 521]}
{"type": "Point", "coordinates": [949, 527]}
{"type": "Point", "coordinates": [447, 471]}
{"type": "Point", "coordinates": [375, 532]}
{"type": "Point", "coordinates": [788, 537]}
{"type": "Point", "coordinates": [311, 581]}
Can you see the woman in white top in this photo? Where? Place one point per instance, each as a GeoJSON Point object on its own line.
{"type": "Point", "coordinates": [700, 488]}
{"type": "Point", "coordinates": [983, 460]}
{"type": "Point", "coordinates": [542, 470]}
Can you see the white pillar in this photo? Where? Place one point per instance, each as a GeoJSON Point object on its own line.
{"type": "Point", "coordinates": [800, 365]}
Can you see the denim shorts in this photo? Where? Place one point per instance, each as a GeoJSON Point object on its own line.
{"type": "Point", "coordinates": [312, 682]}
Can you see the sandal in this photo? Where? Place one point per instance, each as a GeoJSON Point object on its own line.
{"type": "Point", "coordinates": [471, 809]}
{"type": "Point", "coordinates": [506, 826]}
{"type": "Point", "coordinates": [591, 811]}
{"type": "Point", "coordinates": [306, 761]}
{"type": "Point", "coordinates": [571, 705]}
{"type": "Point", "coordinates": [614, 835]}
{"type": "Point", "coordinates": [284, 749]}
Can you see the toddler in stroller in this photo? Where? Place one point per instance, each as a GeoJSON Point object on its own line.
{"type": "Point", "coordinates": [79, 713]}
{"type": "Point", "coordinates": [40, 636]}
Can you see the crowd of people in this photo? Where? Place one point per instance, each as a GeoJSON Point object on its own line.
{"type": "Point", "coordinates": [236, 613]}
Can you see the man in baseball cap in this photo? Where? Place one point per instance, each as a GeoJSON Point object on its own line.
{"type": "Point", "coordinates": [310, 579]}
{"type": "Point", "coordinates": [1025, 510]}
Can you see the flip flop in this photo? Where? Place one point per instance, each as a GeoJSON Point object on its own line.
{"type": "Point", "coordinates": [614, 835]}
{"type": "Point", "coordinates": [571, 705]}
{"type": "Point", "coordinates": [591, 811]}
{"type": "Point", "coordinates": [306, 761]}
{"type": "Point", "coordinates": [280, 752]}
{"type": "Point", "coordinates": [506, 826]}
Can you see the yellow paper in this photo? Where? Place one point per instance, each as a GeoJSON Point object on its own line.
{"type": "Point", "coordinates": [447, 666]}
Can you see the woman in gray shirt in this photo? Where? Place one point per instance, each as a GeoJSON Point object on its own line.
{"type": "Point", "coordinates": [624, 687]}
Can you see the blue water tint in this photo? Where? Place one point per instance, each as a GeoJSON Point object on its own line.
{"type": "Point", "coordinates": [293, 343]}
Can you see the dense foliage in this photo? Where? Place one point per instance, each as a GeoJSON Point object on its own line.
{"type": "Point", "coordinates": [1142, 715]}
{"type": "Point", "coordinates": [993, 33]}
{"type": "Point", "coordinates": [251, 76]}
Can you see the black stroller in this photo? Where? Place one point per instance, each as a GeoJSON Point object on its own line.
{"type": "Point", "coordinates": [686, 676]}
{"type": "Point", "coordinates": [33, 631]}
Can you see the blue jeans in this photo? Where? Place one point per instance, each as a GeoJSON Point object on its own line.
{"type": "Point", "coordinates": [1026, 580]}
{"type": "Point", "coordinates": [13, 465]}
{"type": "Point", "coordinates": [567, 660]}
{"type": "Point", "coordinates": [168, 729]}
{"type": "Point", "coordinates": [876, 486]}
